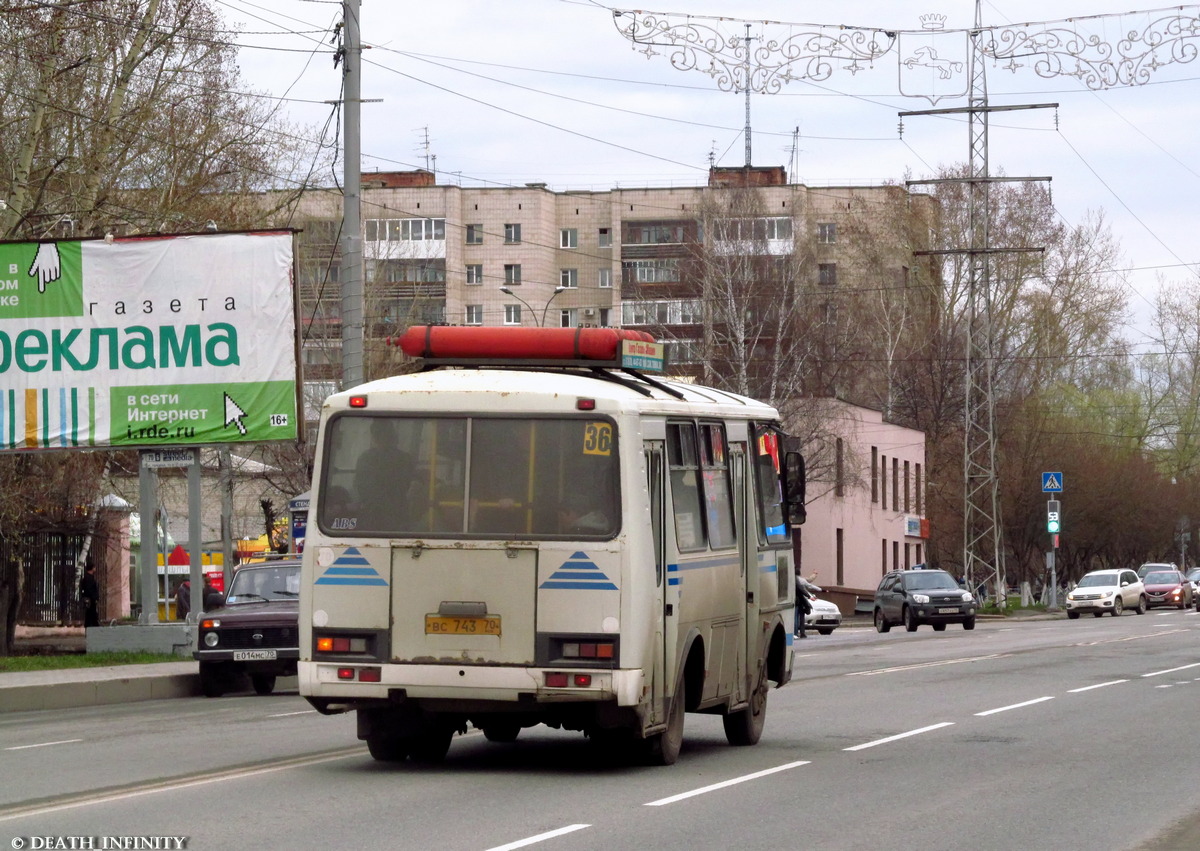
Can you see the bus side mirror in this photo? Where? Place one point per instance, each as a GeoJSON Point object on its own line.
{"type": "Point", "coordinates": [793, 488]}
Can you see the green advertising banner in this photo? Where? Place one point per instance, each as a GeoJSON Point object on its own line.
{"type": "Point", "coordinates": [147, 341]}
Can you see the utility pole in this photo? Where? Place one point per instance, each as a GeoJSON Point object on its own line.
{"type": "Point", "coordinates": [352, 265]}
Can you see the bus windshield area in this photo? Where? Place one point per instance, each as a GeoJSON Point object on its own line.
{"type": "Point", "coordinates": [470, 476]}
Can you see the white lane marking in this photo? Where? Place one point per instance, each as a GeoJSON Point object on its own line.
{"type": "Point", "coordinates": [733, 782]}
{"type": "Point", "coordinates": [43, 744]}
{"type": "Point", "coordinates": [1129, 638]}
{"type": "Point", "coordinates": [287, 714]}
{"type": "Point", "coordinates": [1097, 685]}
{"type": "Point", "coordinates": [924, 665]}
{"type": "Point", "coordinates": [1172, 670]}
{"type": "Point", "coordinates": [1013, 706]}
{"type": "Point", "coordinates": [899, 736]}
{"type": "Point", "coordinates": [541, 837]}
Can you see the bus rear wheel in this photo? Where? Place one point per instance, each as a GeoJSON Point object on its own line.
{"type": "Point", "coordinates": [430, 743]}
{"type": "Point", "coordinates": [745, 727]}
{"type": "Point", "coordinates": [388, 748]}
{"type": "Point", "coordinates": [663, 748]}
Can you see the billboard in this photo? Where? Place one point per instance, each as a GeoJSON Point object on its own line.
{"type": "Point", "coordinates": [147, 341]}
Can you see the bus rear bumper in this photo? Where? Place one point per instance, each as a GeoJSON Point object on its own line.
{"type": "Point", "coordinates": [334, 684]}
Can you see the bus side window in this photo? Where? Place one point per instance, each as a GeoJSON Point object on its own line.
{"type": "Point", "coordinates": [684, 463]}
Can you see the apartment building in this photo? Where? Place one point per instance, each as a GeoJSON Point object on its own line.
{"type": "Point", "coordinates": [662, 259]}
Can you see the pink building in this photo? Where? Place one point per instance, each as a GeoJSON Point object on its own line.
{"type": "Point", "coordinates": [866, 515]}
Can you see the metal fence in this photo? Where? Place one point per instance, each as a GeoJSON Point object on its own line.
{"type": "Point", "coordinates": [51, 579]}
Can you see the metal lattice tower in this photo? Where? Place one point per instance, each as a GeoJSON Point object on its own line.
{"type": "Point", "coordinates": [983, 553]}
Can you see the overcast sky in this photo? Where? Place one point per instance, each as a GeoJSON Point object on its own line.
{"type": "Point", "coordinates": [509, 93]}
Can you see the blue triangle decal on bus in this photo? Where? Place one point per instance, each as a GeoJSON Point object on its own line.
{"type": "Point", "coordinates": [351, 568]}
{"type": "Point", "coordinates": [579, 573]}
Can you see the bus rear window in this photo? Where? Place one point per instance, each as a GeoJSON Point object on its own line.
{"type": "Point", "coordinates": [469, 477]}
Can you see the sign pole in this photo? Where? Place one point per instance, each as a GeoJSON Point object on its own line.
{"type": "Point", "coordinates": [148, 548]}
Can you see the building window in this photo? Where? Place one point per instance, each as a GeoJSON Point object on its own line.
{"type": "Point", "coordinates": [512, 273]}
{"type": "Point", "coordinates": [839, 480]}
{"type": "Point", "coordinates": [568, 238]}
{"type": "Point", "coordinates": [512, 234]}
{"type": "Point", "coordinates": [512, 314]}
{"type": "Point", "coordinates": [826, 233]}
{"type": "Point", "coordinates": [651, 271]}
{"type": "Point", "coordinates": [745, 230]}
{"type": "Point", "coordinates": [841, 568]}
{"type": "Point", "coordinates": [883, 482]}
{"type": "Point", "coordinates": [827, 274]}
{"type": "Point", "coordinates": [895, 484]}
{"type": "Point", "coordinates": [874, 474]}
{"type": "Point", "coordinates": [568, 278]}
{"type": "Point", "coordinates": [883, 556]}
{"type": "Point", "coordinates": [917, 488]}
{"type": "Point", "coordinates": [653, 234]}
{"type": "Point", "coordinates": [474, 314]}
{"type": "Point", "coordinates": [606, 278]}
{"type": "Point", "coordinates": [605, 237]}
{"type": "Point", "coordinates": [604, 314]}
{"type": "Point", "coordinates": [474, 234]}
{"type": "Point", "coordinates": [415, 230]}
{"type": "Point", "coordinates": [474, 273]}
{"type": "Point", "coordinates": [568, 317]}
{"type": "Point", "coordinates": [907, 491]}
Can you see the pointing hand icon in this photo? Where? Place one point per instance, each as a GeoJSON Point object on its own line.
{"type": "Point", "coordinates": [45, 266]}
{"type": "Point", "coordinates": [234, 414]}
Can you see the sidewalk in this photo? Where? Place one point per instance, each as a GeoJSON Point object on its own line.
{"type": "Point", "coordinates": [23, 691]}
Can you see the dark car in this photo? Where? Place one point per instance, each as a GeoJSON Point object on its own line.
{"type": "Point", "coordinates": [1167, 588]}
{"type": "Point", "coordinates": [255, 633]}
{"type": "Point", "coordinates": [914, 597]}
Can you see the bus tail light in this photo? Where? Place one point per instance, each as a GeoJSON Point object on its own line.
{"type": "Point", "coordinates": [341, 644]}
{"type": "Point", "coordinates": [358, 401]}
{"type": "Point", "coordinates": [373, 674]}
{"type": "Point", "coordinates": [562, 679]}
{"type": "Point", "coordinates": [588, 650]}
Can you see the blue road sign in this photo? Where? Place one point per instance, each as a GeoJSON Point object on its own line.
{"type": "Point", "coordinates": [1052, 482]}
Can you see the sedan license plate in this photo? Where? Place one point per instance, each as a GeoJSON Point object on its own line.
{"type": "Point", "coordinates": [452, 625]}
{"type": "Point", "coordinates": [253, 655]}
{"type": "Point", "coordinates": [947, 611]}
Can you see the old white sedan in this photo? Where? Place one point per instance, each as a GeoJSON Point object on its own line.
{"type": "Point", "coordinates": [824, 617]}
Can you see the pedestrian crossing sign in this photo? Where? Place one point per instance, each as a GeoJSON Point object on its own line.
{"type": "Point", "coordinates": [1052, 482]}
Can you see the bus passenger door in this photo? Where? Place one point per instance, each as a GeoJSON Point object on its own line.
{"type": "Point", "coordinates": [748, 640]}
{"type": "Point", "coordinates": [661, 654]}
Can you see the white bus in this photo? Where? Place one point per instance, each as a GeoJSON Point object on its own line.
{"type": "Point", "coordinates": [530, 531]}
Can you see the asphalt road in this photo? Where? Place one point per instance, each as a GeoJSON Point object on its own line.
{"type": "Point", "coordinates": [1037, 735]}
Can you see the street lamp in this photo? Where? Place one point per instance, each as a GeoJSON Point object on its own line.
{"type": "Point", "coordinates": [532, 312]}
